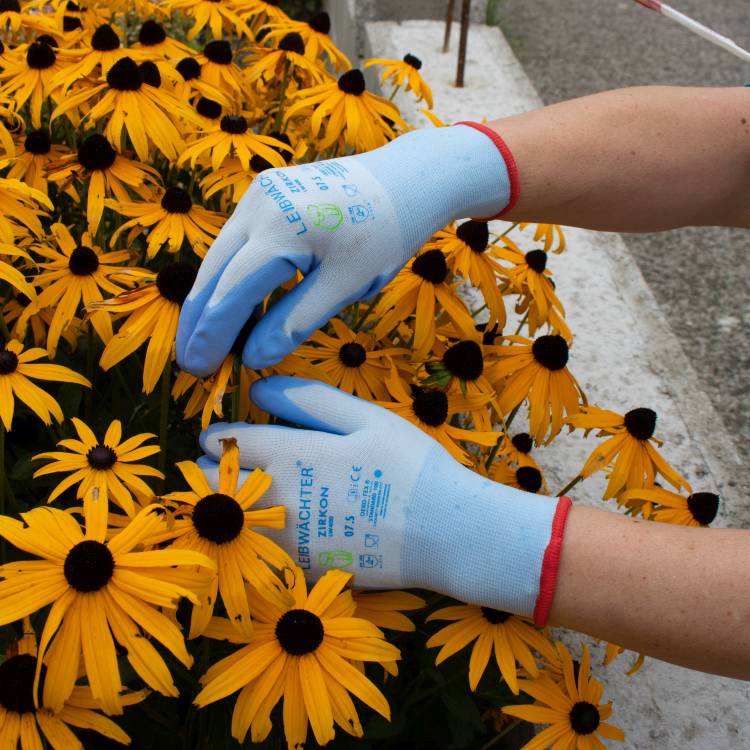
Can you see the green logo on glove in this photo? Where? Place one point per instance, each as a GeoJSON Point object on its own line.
{"type": "Point", "coordinates": [326, 216]}
{"type": "Point", "coordinates": [339, 558]}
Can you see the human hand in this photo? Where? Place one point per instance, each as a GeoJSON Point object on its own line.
{"type": "Point", "coordinates": [347, 224]}
{"type": "Point", "coordinates": [367, 491]}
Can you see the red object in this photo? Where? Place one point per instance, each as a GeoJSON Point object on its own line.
{"type": "Point", "coordinates": [551, 563]}
{"type": "Point", "coordinates": [510, 163]}
{"type": "Point", "coordinates": [650, 4]}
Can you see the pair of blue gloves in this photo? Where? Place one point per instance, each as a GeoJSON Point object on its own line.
{"type": "Point", "coordinates": [364, 489]}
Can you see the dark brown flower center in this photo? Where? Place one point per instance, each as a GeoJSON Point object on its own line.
{"type": "Point", "coordinates": [352, 354]}
{"type": "Point", "coordinates": [551, 352]}
{"type": "Point", "coordinates": [10, 6]}
{"type": "Point", "coordinates": [522, 442]}
{"type": "Point", "coordinates": [96, 153]}
{"type": "Point", "coordinates": [38, 142]}
{"type": "Point", "coordinates": [489, 334]}
{"type": "Point", "coordinates": [584, 717]}
{"type": "Point", "coordinates": [495, 616]}
{"type": "Point", "coordinates": [415, 62]}
{"type": "Point", "coordinates": [292, 42]}
{"type": "Point", "coordinates": [71, 23]}
{"type": "Point", "coordinates": [150, 73]}
{"type": "Point", "coordinates": [352, 82]}
{"type": "Point", "coordinates": [536, 260]}
{"type": "Point", "coordinates": [219, 52]}
{"type": "Point", "coordinates": [175, 281]}
{"type": "Point", "coordinates": [208, 108]}
{"type": "Point", "coordinates": [529, 478]}
{"type": "Point", "coordinates": [218, 518]}
{"type": "Point", "coordinates": [703, 506]}
{"type": "Point", "coordinates": [125, 75]}
{"type": "Point", "coordinates": [101, 457]}
{"type": "Point", "coordinates": [320, 22]}
{"type": "Point", "coordinates": [105, 39]}
{"type": "Point", "coordinates": [189, 68]}
{"type": "Point", "coordinates": [641, 423]}
{"type": "Point", "coordinates": [431, 266]}
{"type": "Point", "coordinates": [475, 234]}
{"type": "Point", "coordinates": [430, 407]}
{"type": "Point", "coordinates": [89, 566]}
{"type": "Point", "coordinates": [176, 201]}
{"type": "Point", "coordinates": [299, 632]}
{"type": "Point", "coordinates": [83, 261]}
{"type": "Point", "coordinates": [259, 164]}
{"type": "Point", "coordinates": [8, 362]}
{"type": "Point", "coordinates": [40, 55]}
{"type": "Point", "coordinates": [234, 124]}
{"type": "Point", "coordinates": [151, 33]}
{"type": "Point", "coordinates": [464, 360]}
{"type": "Point", "coordinates": [17, 684]}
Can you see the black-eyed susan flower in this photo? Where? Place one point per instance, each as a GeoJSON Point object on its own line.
{"type": "Point", "coordinates": [510, 637]}
{"type": "Point", "coordinates": [107, 466]}
{"type": "Point", "coordinates": [404, 73]}
{"type": "Point", "coordinates": [517, 449]}
{"type": "Point", "coordinates": [170, 216]}
{"type": "Point", "coordinates": [471, 256]}
{"type": "Point", "coordinates": [218, 17]}
{"type": "Point", "coordinates": [287, 58]}
{"type": "Point", "coordinates": [527, 478]}
{"type": "Point", "coordinates": [131, 103]}
{"type": "Point", "coordinates": [259, 13]}
{"type": "Point", "coordinates": [20, 312]}
{"type": "Point", "coordinates": [536, 370]}
{"type": "Point", "coordinates": [17, 369]}
{"type": "Point", "coordinates": [385, 608]}
{"type": "Point", "coordinates": [345, 111]}
{"type": "Point", "coordinates": [629, 446]}
{"type": "Point", "coordinates": [423, 287]}
{"type": "Point", "coordinates": [103, 171]}
{"type": "Point", "coordinates": [102, 591]}
{"type": "Point", "coordinates": [551, 234]}
{"type": "Point", "coordinates": [352, 361]}
{"type": "Point", "coordinates": [21, 207]}
{"type": "Point", "coordinates": [25, 721]}
{"type": "Point", "coordinates": [697, 509]}
{"type": "Point", "coordinates": [222, 525]}
{"type": "Point", "coordinates": [153, 313]}
{"type": "Point", "coordinates": [187, 84]}
{"type": "Point", "coordinates": [232, 136]}
{"type": "Point", "coordinates": [75, 273]}
{"type": "Point", "coordinates": [14, 277]}
{"type": "Point", "coordinates": [572, 710]}
{"type": "Point", "coordinates": [34, 154]}
{"type": "Point", "coordinates": [307, 652]}
{"type": "Point", "coordinates": [432, 411]}
{"type": "Point", "coordinates": [27, 76]}
{"type": "Point", "coordinates": [220, 69]}
{"type": "Point", "coordinates": [154, 41]}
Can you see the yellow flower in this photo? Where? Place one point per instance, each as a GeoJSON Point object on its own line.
{"type": "Point", "coordinates": [549, 233]}
{"type": "Point", "coordinates": [536, 370]}
{"type": "Point", "coordinates": [154, 42]}
{"type": "Point", "coordinates": [103, 171]}
{"type": "Point", "coordinates": [613, 651]}
{"type": "Point", "coordinates": [154, 309]}
{"type": "Point", "coordinates": [102, 469]}
{"type": "Point", "coordinates": [287, 59]}
{"type": "Point", "coordinates": [98, 588]}
{"type": "Point", "coordinates": [170, 215]}
{"type": "Point", "coordinates": [422, 285]}
{"type": "Point", "coordinates": [74, 274]}
{"type": "Point", "coordinates": [24, 720]}
{"type": "Point", "coordinates": [217, 16]}
{"type": "Point", "coordinates": [20, 209]}
{"type": "Point", "coordinates": [516, 450]}
{"type": "Point", "coordinates": [384, 608]}
{"type": "Point", "coordinates": [346, 112]}
{"type": "Point", "coordinates": [628, 445]}
{"type": "Point", "coordinates": [573, 709]}
{"type": "Point", "coordinates": [697, 509]}
{"type": "Point", "coordinates": [404, 73]}
{"type": "Point", "coordinates": [305, 653]}
{"type": "Point", "coordinates": [12, 275]}
{"type": "Point", "coordinates": [219, 69]}
{"type": "Point", "coordinates": [527, 478]}
{"type": "Point", "coordinates": [509, 636]}
{"type": "Point", "coordinates": [222, 525]}
{"type": "Point", "coordinates": [16, 372]}
{"type": "Point", "coordinates": [33, 158]}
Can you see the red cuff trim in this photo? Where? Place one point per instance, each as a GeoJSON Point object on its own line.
{"type": "Point", "coordinates": [551, 562]}
{"type": "Point", "coordinates": [510, 163]}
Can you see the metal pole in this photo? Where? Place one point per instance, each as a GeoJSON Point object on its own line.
{"type": "Point", "coordinates": [465, 10]}
{"type": "Point", "coordinates": [448, 24]}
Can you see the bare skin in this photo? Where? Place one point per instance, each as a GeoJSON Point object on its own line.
{"type": "Point", "coordinates": [645, 159]}
{"type": "Point", "coordinates": [641, 159]}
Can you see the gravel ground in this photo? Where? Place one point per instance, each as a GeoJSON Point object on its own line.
{"type": "Point", "coordinates": [697, 275]}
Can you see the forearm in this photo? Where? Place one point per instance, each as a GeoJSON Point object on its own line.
{"type": "Point", "coordinates": [640, 159]}
{"type": "Point", "coordinates": [677, 593]}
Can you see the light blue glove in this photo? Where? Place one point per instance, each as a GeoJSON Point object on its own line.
{"type": "Point", "coordinates": [347, 224]}
{"type": "Point", "coordinates": [367, 491]}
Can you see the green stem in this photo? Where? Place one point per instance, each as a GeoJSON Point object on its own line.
{"type": "Point", "coordinates": [476, 312]}
{"type": "Point", "coordinates": [493, 453]}
{"type": "Point", "coordinates": [502, 734]}
{"type": "Point", "coordinates": [569, 486]}
{"type": "Point", "coordinates": [166, 384]}
{"type": "Point", "coordinates": [3, 547]}
{"type": "Point", "coordinates": [359, 323]}
{"type": "Point", "coordinates": [512, 416]}
{"type": "Point", "coordinates": [282, 96]}
{"type": "Point", "coordinates": [434, 689]}
{"type": "Point", "coordinates": [508, 230]}
{"type": "Point", "coordinates": [394, 92]}
{"type": "Point", "coordinates": [521, 324]}
{"type": "Point", "coordinates": [88, 403]}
